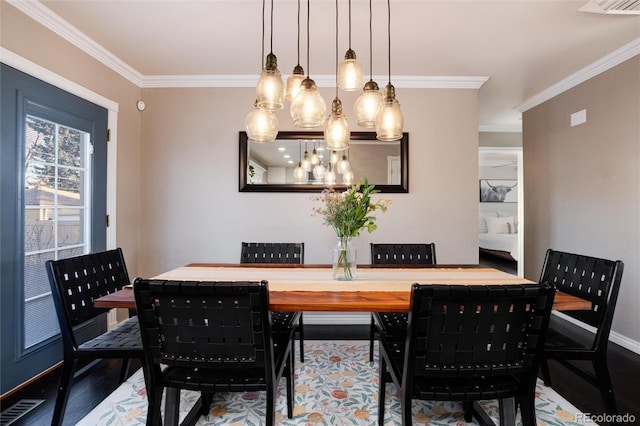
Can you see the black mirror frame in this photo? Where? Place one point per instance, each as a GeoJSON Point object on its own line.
{"type": "Point", "coordinates": [245, 186]}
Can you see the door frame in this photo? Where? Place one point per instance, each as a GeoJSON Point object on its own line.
{"type": "Point", "coordinates": [521, 224]}
{"type": "Point", "coordinates": [18, 62]}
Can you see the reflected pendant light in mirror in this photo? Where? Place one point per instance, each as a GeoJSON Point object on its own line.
{"type": "Point", "coordinates": [390, 120]}
{"type": "Point", "coordinates": [330, 175]}
{"type": "Point", "coordinates": [270, 88]}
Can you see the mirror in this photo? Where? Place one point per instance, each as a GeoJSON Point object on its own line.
{"type": "Point", "coordinates": [270, 167]}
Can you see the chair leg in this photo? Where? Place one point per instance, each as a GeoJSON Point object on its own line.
{"type": "Point", "coordinates": [546, 375]}
{"type": "Point", "coordinates": [467, 406]}
{"type": "Point", "coordinates": [405, 405]}
{"type": "Point", "coordinates": [64, 386]}
{"type": "Point", "coordinates": [507, 410]}
{"type": "Point", "coordinates": [301, 334]}
{"type": "Point", "coordinates": [124, 370]}
{"type": "Point", "coordinates": [271, 405]}
{"type": "Point", "coordinates": [381, 391]}
{"type": "Point", "coordinates": [527, 405]}
{"type": "Point", "coordinates": [289, 371]}
{"type": "Point", "coordinates": [154, 414]}
{"type": "Point", "coordinates": [372, 329]}
{"type": "Point", "coordinates": [207, 397]}
{"type": "Point", "coordinates": [604, 384]}
{"type": "Point", "coordinates": [172, 407]}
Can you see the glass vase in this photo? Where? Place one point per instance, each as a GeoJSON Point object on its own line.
{"type": "Point", "coordinates": [344, 260]}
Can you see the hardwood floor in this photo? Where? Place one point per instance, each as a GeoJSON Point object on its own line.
{"type": "Point", "coordinates": [92, 387]}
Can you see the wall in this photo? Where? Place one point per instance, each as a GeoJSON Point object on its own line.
{"type": "Point", "coordinates": [23, 36]}
{"type": "Point", "coordinates": [583, 182]}
{"type": "Point", "coordinates": [192, 210]}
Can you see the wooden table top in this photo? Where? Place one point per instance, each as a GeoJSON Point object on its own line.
{"type": "Point", "coordinates": [377, 288]}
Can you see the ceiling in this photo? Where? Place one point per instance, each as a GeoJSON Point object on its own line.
{"type": "Point", "coordinates": [523, 47]}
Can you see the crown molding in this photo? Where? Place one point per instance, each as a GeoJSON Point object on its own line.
{"type": "Point", "coordinates": [609, 61]}
{"type": "Point", "coordinates": [45, 16]}
{"type": "Point", "coordinates": [409, 82]}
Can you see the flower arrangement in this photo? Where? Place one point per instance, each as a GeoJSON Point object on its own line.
{"type": "Point", "coordinates": [348, 213]}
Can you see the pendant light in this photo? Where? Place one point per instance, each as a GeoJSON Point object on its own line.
{"type": "Point", "coordinates": [270, 88]}
{"type": "Point", "coordinates": [294, 80]}
{"type": "Point", "coordinates": [336, 132]}
{"type": "Point", "coordinates": [261, 125]}
{"type": "Point", "coordinates": [318, 172]}
{"type": "Point", "coordinates": [389, 121]}
{"type": "Point", "coordinates": [306, 162]}
{"type": "Point", "coordinates": [368, 103]}
{"type": "Point", "coordinates": [308, 108]}
{"type": "Point", "coordinates": [330, 175]}
{"type": "Point", "coordinates": [343, 165]}
{"type": "Point", "coordinates": [300, 175]}
{"type": "Point", "coordinates": [350, 70]}
{"type": "Point", "coordinates": [315, 159]}
{"type": "Point", "coordinates": [347, 178]}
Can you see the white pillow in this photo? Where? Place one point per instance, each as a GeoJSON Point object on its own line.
{"type": "Point", "coordinates": [499, 225]}
{"type": "Point", "coordinates": [482, 226]}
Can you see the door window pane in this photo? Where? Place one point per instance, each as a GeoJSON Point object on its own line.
{"type": "Point", "coordinates": [55, 212]}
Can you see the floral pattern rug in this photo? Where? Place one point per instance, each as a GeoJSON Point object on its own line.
{"type": "Point", "coordinates": [335, 386]}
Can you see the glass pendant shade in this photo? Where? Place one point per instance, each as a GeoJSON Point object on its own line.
{"type": "Point", "coordinates": [334, 158]}
{"type": "Point", "coordinates": [308, 108]}
{"type": "Point", "coordinates": [336, 132]}
{"type": "Point", "coordinates": [306, 163]}
{"type": "Point", "coordinates": [300, 175]}
{"type": "Point", "coordinates": [293, 82]}
{"type": "Point", "coordinates": [350, 75]}
{"type": "Point", "coordinates": [318, 171]}
{"type": "Point", "coordinates": [270, 88]}
{"type": "Point", "coordinates": [330, 176]}
{"type": "Point", "coordinates": [347, 178]}
{"type": "Point", "coordinates": [343, 165]}
{"type": "Point", "coordinates": [314, 157]}
{"type": "Point", "coordinates": [367, 105]}
{"type": "Point", "coordinates": [261, 125]}
{"type": "Point", "coordinates": [390, 121]}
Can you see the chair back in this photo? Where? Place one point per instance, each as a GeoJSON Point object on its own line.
{"type": "Point", "coordinates": [77, 281]}
{"type": "Point", "coordinates": [382, 253]}
{"type": "Point", "coordinates": [480, 331]}
{"type": "Point", "coordinates": [213, 325]}
{"type": "Point", "coordinates": [272, 253]}
{"type": "Point", "coordinates": [594, 279]}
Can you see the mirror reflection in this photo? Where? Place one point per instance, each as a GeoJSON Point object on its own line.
{"type": "Point", "coordinates": [299, 161]}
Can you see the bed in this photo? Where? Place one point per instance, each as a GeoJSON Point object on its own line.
{"type": "Point", "coordinates": [498, 235]}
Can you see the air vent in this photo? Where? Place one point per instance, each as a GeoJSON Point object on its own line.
{"type": "Point", "coordinates": [613, 7]}
{"type": "Point", "coordinates": [17, 410]}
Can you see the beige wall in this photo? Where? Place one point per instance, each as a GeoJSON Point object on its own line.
{"type": "Point", "coordinates": [23, 36]}
{"type": "Point", "coordinates": [583, 183]}
{"type": "Point", "coordinates": [192, 210]}
{"type": "Point", "coordinates": [500, 139]}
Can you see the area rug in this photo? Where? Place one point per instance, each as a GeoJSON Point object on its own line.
{"type": "Point", "coordinates": [335, 386]}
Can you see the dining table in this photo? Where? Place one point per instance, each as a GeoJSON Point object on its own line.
{"type": "Point", "coordinates": [376, 288]}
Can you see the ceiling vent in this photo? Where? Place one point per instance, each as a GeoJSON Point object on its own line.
{"type": "Point", "coordinates": [613, 7]}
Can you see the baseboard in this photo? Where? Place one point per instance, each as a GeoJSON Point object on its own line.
{"type": "Point", "coordinates": [614, 337]}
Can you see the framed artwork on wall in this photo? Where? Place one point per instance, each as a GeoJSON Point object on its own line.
{"type": "Point", "coordinates": [498, 191]}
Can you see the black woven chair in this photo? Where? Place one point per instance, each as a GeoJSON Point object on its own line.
{"type": "Point", "coordinates": [212, 337]}
{"type": "Point", "coordinates": [396, 254]}
{"type": "Point", "coordinates": [469, 343]}
{"type": "Point", "coordinates": [598, 281]}
{"type": "Point", "coordinates": [75, 283]}
{"type": "Point", "coordinates": [292, 253]}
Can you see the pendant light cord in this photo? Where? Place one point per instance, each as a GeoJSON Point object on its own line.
{"type": "Point", "coordinates": [337, 46]}
{"type": "Point", "coordinates": [262, 47]}
{"type": "Point", "coordinates": [271, 47]}
{"type": "Point", "coordinates": [308, 31]}
{"type": "Point", "coordinates": [349, 24]}
{"type": "Point", "coordinates": [370, 41]}
{"type": "Point", "coordinates": [389, 35]}
{"type": "Point", "coordinates": [298, 32]}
